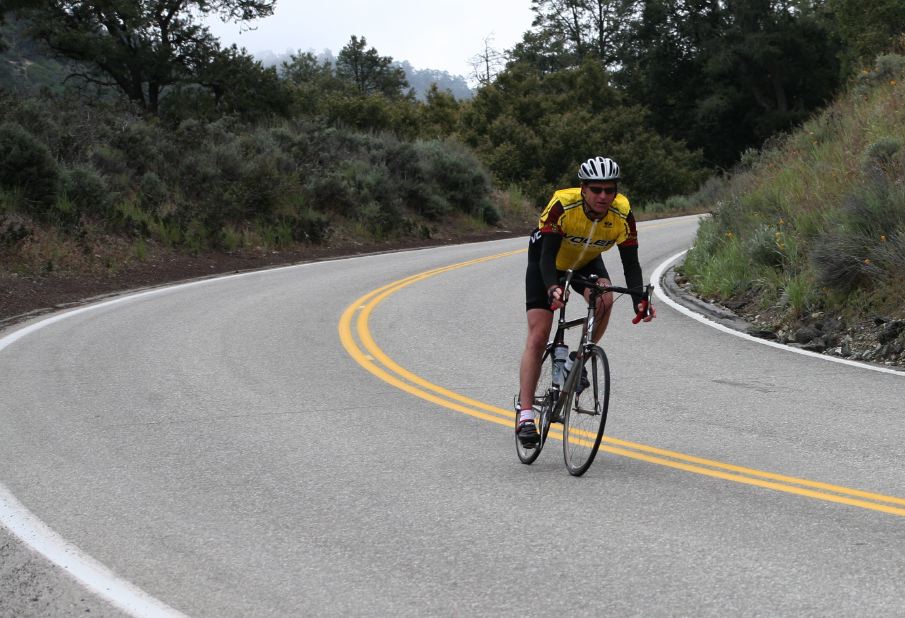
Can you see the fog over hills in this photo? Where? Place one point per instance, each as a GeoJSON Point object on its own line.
{"type": "Point", "coordinates": [419, 80]}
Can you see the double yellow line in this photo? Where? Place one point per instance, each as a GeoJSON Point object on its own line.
{"type": "Point", "coordinates": [354, 325]}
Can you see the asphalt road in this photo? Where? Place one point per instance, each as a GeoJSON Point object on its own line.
{"type": "Point", "coordinates": [283, 443]}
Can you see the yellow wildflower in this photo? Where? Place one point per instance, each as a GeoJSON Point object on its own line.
{"type": "Point", "coordinates": [882, 237]}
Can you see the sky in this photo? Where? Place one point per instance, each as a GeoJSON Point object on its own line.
{"type": "Point", "coordinates": [430, 34]}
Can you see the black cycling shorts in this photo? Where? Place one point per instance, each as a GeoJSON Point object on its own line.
{"type": "Point", "coordinates": [535, 290]}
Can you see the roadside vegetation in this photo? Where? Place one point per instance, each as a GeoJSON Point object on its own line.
{"type": "Point", "coordinates": [128, 132]}
{"type": "Point", "coordinates": [808, 234]}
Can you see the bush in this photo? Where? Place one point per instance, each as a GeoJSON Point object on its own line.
{"type": "Point", "coordinates": [841, 263]}
{"type": "Point", "coordinates": [866, 245]}
{"type": "Point", "coordinates": [13, 229]}
{"type": "Point", "coordinates": [379, 221]}
{"type": "Point", "coordinates": [878, 161]}
{"type": "Point", "coordinates": [153, 192]}
{"type": "Point", "coordinates": [27, 165]}
{"type": "Point", "coordinates": [86, 191]}
{"type": "Point", "coordinates": [764, 246]}
{"type": "Point", "coordinates": [458, 179]}
{"type": "Point", "coordinates": [141, 146]}
{"type": "Point", "coordinates": [311, 226]}
{"type": "Point", "coordinates": [889, 66]}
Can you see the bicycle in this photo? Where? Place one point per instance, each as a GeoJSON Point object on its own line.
{"type": "Point", "coordinates": [580, 400]}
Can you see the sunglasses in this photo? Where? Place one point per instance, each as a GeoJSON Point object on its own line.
{"type": "Point", "coordinates": [599, 190]}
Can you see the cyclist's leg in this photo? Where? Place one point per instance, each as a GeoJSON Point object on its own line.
{"type": "Point", "coordinates": [540, 320]}
{"type": "Point", "coordinates": [602, 314]}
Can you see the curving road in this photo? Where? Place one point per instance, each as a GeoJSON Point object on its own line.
{"type": "Point", "coordinates": [288, 443]}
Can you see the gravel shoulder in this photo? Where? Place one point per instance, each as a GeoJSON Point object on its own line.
{"type": "Point", "coordinates": [32, 587]}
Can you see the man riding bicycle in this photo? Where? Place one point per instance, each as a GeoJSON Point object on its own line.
{"type": "Point", "coordinates": [575, 228]}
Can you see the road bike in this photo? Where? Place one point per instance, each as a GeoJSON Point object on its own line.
{"type": "Point", "coordinates": [579, 399]}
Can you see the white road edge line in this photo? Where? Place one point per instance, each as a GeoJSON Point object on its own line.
{"type": "Point", "coordinates": [26, 526]}
{"type": "Point", "coordinates": [86, 570]}
{"type": "Point", "coordinates": [658, 275]}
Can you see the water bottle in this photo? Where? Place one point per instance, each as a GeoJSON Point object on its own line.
{"type": "Point", "coordinates": [568, 366]}
{"type": "Point", "coordinates": [583, 382]}
{"type": "Point", "coordinates": [560, 356]}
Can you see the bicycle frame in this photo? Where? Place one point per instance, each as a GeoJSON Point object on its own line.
{"type": "Point", "coordinates": [566, 403]}
{"type": "Point", "coordinates": [588, 322]}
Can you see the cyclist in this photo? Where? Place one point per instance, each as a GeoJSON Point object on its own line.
{"type": "Point", "coordinates": [575, 228]}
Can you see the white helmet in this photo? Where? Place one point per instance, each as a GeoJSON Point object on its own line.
{"type": "Point", "coordinates": [599, 168]}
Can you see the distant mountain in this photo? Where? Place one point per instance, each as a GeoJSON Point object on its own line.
{"type": "Point", "coordinates": [24, 66]}
{"type": "Point", "coordinates": [420, 80]}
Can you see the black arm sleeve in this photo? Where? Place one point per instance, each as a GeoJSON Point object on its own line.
{"type": "Point", "coordinates": [550, 244]}
{"type": "Point", "coordinates": [631, 267]}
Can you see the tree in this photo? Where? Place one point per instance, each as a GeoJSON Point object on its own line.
{"type": "Point", "coordinates": [304, 68]}
{"type": "Point", "coordinates": [724, 75]}
{"type": "Point", "coordinates": [241, 85]}
{"type": "Point", "coordinates": [440, 113]}
{"type": "Point", "coordinates": [370, 72]}
{"type": "Point", "coordinates": [776, 63]}
{"type": "Point", "coordinates": [487, 64]}
{"type": "Point", "coordinates": [140, 47]}
{"type": "Point", "coordinates": [534, 128]}
{"type": "Point", "coordinates": [583, 28]}
{"type": "Point", "coordinates": [868, 28]}
{"type": "Point", "coordinates": [662, 64]}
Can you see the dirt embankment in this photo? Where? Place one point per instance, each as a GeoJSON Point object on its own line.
{"type": "Point", "coordinates": [27, 295]}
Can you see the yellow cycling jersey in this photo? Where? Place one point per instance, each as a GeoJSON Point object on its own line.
{"type": "Point", "coordinates": [583, 238]}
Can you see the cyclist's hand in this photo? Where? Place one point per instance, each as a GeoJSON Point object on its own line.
{"type": "Point", "coordinates": [554, 295]}
{"type": "Point", "coordinates": [645, 312]}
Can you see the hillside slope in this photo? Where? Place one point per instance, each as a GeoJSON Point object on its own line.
{"type": "Point", "coordinates": [807, 237]}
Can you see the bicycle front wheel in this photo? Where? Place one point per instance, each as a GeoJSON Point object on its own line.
{"type": "Point", "coordinates": [585, 410]}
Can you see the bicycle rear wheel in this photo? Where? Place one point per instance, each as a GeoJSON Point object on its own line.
{"type": "Point", "coordinates": [585, 412]}
{"type": "Point", "coordinates": [544, 399]}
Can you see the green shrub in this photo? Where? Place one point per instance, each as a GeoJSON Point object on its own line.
{"type": "Point", "coordinates": [27, 165]}
{"type": "Point", "coordinates": [198, 179]}
{"type": "Point", "coordinates": [141, 147]}
{"type": "Point", "coordinates": [710, 193]}
{"type": "Point", "coordinates": [841, 263]}
{"type": "Point", "coordinates": [13, 229]}
{"type": "Point", "coordinates": [153, 192]}
{"type": "Point", "coordinates": [311, 226]}
{"type": "Point", "coordinates": [86, 190]}
{"type": "Point", "coordinates": [128, 217]}
{"type": "Point", "coordinates": [800, 295]}
{"type": "Point", "coordinates": [725, 273]}
{"type": "Point", "coordinates": [764, 245]}
{"type": "Point", "coordinates": [433, 205]}
{"type": "Point", "coordinates": [108, 161]}
{"type": "Point", "coordinates": [457, 176]}
{"type": "Point", "coordinates": [889, 66]}
{"type": "Point", "coordinates": [257, 190]}
{"type": "Point", "coordinates": [678, 203]}
{"type": "Point", "coordinates": [878, 161]}
{"type": "Point", "coordinates": [490, 214]}
{"type": "Point", "coordinates": [380, 221]}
